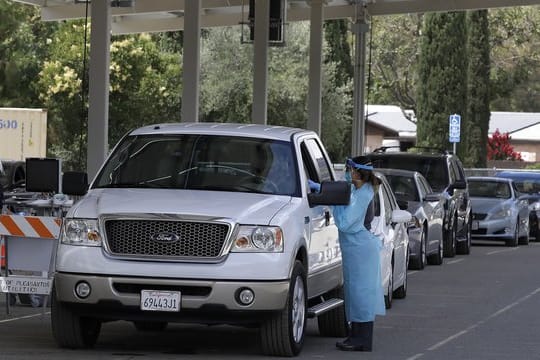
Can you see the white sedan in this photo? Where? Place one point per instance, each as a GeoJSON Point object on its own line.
{"type": "Point", "coordinates": [390, 225]}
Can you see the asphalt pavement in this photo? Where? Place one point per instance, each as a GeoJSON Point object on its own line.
{"type": "Point", "coordinates": [481, 306]}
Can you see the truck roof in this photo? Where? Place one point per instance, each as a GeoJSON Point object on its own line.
{"type": "Point", "coordinates": [229, 129]}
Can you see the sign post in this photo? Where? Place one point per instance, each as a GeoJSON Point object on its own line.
{"type": "Point", "coordinates": [454, 129]}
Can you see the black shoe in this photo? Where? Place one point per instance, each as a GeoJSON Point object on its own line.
{"type": "Point", "coordinates": [353, 347]}
{"type": "Point", "coordinates": [345, 342]}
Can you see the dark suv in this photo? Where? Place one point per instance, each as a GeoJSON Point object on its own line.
{"type": "Point", "coordinates": [445, 174]}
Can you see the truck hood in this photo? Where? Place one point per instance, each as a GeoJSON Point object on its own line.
{"type": "Point", "coordinates": [240, 207]}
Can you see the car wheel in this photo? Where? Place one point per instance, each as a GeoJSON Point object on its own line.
{"type": "Point", "coordinates": [514, 241]}
{"type": "Point", "coordinates": [537, 236]}
{"type": "Point", "coordinates": [150, 325]}
{"type": "Point", "coordinates": [437, 258]}
{"type": "Point", "coordinates": [419, 262]}
{"type": "Point", "coordinates": [333, 323]}
{"type": "Point", "coordinates": [450, 241]}
{"type": "Point", "coordinates": [464, 247]}
{"type": "Point", "coordinates": [389, 290]}
{"type": "Point", "coordinates": [401, 292]}
{"type": "Point", "coordinates": [69, 329]}
{"type": "Point", "coordinates": [283, 334]}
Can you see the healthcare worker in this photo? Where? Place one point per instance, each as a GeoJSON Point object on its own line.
{"type": "Point", "coordinates": [360, 249]}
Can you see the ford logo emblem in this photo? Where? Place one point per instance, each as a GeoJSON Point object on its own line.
{"type": "Point", "coordinates": [165, 237]}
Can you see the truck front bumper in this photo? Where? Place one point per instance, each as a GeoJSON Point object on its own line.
{"type": "Point", "coordinates": [195, 294]}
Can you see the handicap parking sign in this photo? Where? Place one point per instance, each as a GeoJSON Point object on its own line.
{"type": "Point", "coordinates": [454, 129]}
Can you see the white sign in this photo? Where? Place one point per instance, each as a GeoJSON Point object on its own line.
{"type": "Point", "coordinates": [454, 129]}
{"type": "Point", "coordinates": [25, 285]}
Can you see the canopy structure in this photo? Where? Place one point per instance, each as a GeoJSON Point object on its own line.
{"type": "Point", "coordinates": [136, 16]}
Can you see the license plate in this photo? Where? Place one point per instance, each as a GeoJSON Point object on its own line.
{"type": "Point", "coordinates": [153, 300]}
{"type": "Point", "coordinates": [475, 225]}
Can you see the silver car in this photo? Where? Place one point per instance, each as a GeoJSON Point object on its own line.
{"type": "Point", "coordinates": [499, 213]}
{"type": "Point", "coordinates": [414, 194]}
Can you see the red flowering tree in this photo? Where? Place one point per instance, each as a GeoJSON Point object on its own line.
{"type": "Point", "coordinates": [499, 148]}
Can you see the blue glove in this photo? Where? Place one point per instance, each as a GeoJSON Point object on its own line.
{"type": "Point", "coordinates": [314, 186]}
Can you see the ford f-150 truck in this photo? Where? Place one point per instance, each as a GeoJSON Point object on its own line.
{"type": "Point", "coordinates": [211, 223]}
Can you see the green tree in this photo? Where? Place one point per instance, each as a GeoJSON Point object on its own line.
{"type": "Point", "coordinates": [23, 47]}
{"type": "Point", "coordinates": [229, 98]}
{"type": "Point", "coordinates": [337, 35]}
{"type": "Point", "coordinates": [144, 89]}
{"type": "Point", "coordinates": [442, 77]}
{"type": "Point", "coordinates": [515, 58]}
{"type": "Point", "coordinates": [475, 132]}
{"type": "Point", "coordinates": [395, 54]}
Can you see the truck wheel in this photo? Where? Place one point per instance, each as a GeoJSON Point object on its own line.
{"type": "Point", "coordinates": [150, 325]}
{"type": "Point", "coordinates": [283, 334]}
{"type": "Point", "coordinates": [71, 330]}
{"type": "Point", "coordinates": [333, 323]}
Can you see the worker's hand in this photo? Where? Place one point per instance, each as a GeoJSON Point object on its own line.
{"type": "Point", "coordinates": [314, 186]}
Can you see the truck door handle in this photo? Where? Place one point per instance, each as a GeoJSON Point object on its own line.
{"type": "Point", "coordinates": [327, 218]}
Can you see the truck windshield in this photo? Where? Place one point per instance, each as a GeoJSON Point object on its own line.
{"type": "Point", "coordinates": [202, 162]}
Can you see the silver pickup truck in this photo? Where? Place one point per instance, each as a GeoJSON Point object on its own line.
{"type": "Point", "coordinates": [206, 223]}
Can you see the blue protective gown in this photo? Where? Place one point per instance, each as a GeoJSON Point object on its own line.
{"type": "Point", "coordinates": [360, 251]}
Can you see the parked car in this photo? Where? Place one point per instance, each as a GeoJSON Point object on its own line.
{"type": "Point", "coordinates": [528, 184]}
{"type": "Point", "coordinates": [414, 194]}
{"type": "Point", "coordinates": [445, 174]}
{"type": "Point", "coordinates": [390, 225]}
{"type": "Point", "coordinates": [498, 211]}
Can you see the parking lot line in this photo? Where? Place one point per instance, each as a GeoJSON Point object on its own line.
{"type": "Point", "coordinates": [501, 251]}
{"type": "Point", "coordinates": [23, 317]}
{"type": "Point", "coordinates": [495, 314]}
{"type": "Point", "coordinates": [455, 261]}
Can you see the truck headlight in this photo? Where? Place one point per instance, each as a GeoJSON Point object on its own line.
{"type": "Point", "coordinates": [84, 232]}
{"type": "Point", "coordinates": [258, 239]}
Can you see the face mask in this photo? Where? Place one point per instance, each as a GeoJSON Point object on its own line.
{"type": "Point", "coordinates": [348, 177]}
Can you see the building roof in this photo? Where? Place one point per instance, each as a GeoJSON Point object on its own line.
{"type": "Point", "coordinates": [390, 118]}
{"type": "Point", "coordinates": [520, 125]}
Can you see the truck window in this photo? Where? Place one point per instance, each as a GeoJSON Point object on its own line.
{"type": "Point", "coordinates": [316, 163]}
{"type": "Point", "coordinates": [200, 162]}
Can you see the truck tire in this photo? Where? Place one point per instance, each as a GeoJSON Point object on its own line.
{"type": "Point", "coordinates": [71, 330]}
{"type": "Point", "coordinates": [333, 323]}
{"type": "Point", "coordinates": [283, 334]}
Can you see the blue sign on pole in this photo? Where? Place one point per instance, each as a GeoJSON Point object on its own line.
{"type": "Point", "coordinates": [454, 130]}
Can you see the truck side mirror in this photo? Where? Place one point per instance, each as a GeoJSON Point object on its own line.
{"type": "Point", "coordinates": [74, 183]}
{"type": "Point", "coordinates": [332, 193]}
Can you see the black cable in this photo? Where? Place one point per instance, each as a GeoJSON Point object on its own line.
{"type": "Point", "coordinates": [84, 113]}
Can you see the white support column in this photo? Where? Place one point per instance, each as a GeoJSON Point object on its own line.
{"type": "Point", "coordinates": [98, 98]}
{"type": "Point", "coordinates": [360, 29]}
{"type": "Point", "coordinates": [191, 68]}
{"type": "Point", "coordinates": [315, 66]}
{"type": "Point", "coordinates": [260, 62]}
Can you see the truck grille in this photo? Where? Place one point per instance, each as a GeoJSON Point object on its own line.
{"type": "Point", "coordinates": [165, 239]}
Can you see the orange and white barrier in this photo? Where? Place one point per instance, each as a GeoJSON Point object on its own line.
{"type": "Point", "coordinates": [30, 226]}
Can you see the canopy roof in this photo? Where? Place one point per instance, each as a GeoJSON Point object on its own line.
{"type": "Point", "coordinates": [134, 16]}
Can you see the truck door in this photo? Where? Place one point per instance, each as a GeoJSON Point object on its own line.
{"type": "Point", "coordinates": [324, 252]}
